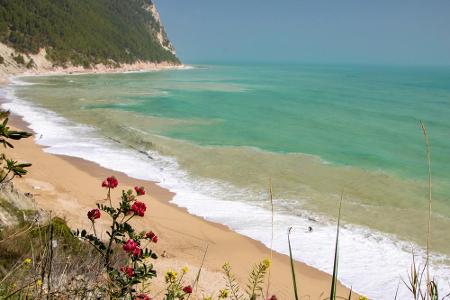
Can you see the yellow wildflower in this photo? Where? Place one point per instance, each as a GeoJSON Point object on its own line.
{"type": "Point", "coordinates": [185, 269]}
{"type": "Point", "coordinates": [39, 282]}
{"type": "Point", "coordinates": [223, 294]}
{"type": "Point", "coordinates": [171, 276]}
{"type": "Point", "coordinates": [266, 262]}
{"type": "Point", "coordinates": [27, 261]}
{"type": "Point", "coordinates": [207, 298]}
{"type": "Point", "coordinates": [363, 298]}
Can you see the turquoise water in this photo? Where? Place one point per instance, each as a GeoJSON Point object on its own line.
{"type": "Point", "coordinates": [313, 131]}
{"type": "Point", "coordinates": [358, 116]}
{"type": "Point", "coordinates": [360, 124]}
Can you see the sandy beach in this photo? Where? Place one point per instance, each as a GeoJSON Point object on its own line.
{"type": "Point", "coordinates": [69, 187]}
{"type": "Point", "coordinates": [306, 158]}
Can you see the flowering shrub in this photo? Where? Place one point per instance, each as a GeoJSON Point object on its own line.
{"type": "Point", "coordinates": [175, 286]}
{"type": "Point", "coordinates": [142, 297]}
{"type": "Point", "coordinates": [255, 284]}
{"type": "Point", "coordinates": [94, 214]}
{"type": "Point", "coordinates": [153, 237]}
{"type": "Point", "coordinates": [139, 190]}
{"type": "Point", "coordinates": [138, 208]}
{"type": "Point", "coordinates": [123, 237]}
{"type": "Point", "coordinates": [110, 182]}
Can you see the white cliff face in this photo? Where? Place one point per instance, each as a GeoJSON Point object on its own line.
{"type": "Point", "coordinates": [161, 34]}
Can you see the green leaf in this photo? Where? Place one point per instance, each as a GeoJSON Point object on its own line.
{"type": "Point", "coordinates": [336, 257]}
{"type": "Point", "coordinates": [17, 169]}
{"type": "Point", "coordinates": [294, 281]}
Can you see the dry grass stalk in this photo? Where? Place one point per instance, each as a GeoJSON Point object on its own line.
{"type": "Point", "coordinates": [428, 157]}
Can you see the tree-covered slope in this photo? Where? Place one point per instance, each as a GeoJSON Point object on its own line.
{"type": "Point", "coordinates": [85, 32]}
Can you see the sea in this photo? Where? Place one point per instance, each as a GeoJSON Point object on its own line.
{"type": "Point", "coordinates": [220, 135]}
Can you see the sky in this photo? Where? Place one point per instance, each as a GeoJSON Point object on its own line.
{"type": "Point", "coordinates": [404, 32]}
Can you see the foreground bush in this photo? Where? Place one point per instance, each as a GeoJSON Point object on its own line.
{"type": "Point", "coordinates": [135, 246]}
{"type": "Point", "coordinates": [10, 168]}
{"type": "Point", "coordinates": [39, 261]}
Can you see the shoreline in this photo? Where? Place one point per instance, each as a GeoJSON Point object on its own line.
{"type": "Point", "coordinates": [373, 269]}
{"type": "Point", "coordinates": [194, 173]}
{"type": "Point", "coordinates": [223, 243]}
{"type": "Point", "coordinates": [139, 67]}
{"type": "Point", "coordinates": [43, 67]}
{"type": "Point", "coordinates": [104, 69]}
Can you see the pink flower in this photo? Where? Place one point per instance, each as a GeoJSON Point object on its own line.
{"type": "Point", "coordinates": [110, 182]}
{"type": "Point", "coordinates": [139, 190]}
{"type": "Point", "coordinates": [142, 297]}
{"type": "Point", "coordinates": [130, 246]}
{"type": "Point", "coordinates": [127, 270]}
{"type": "Point", "coordinates": [187, 289]}
{"type": "Point", "coordinates": [137, 252]}
{"type": "Point", "coordinates": [139, 208]}
{"type": "Point", "coordinates": [93, 214]}
{"type": "Point", "coordinates": [153, 237]}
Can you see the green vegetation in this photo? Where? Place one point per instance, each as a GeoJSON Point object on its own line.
{"type": "Point", "coordinates": [10, 168]}
{"type": "Point", "coordinates": [136, 268]}
{"type": "Point", "coordinates": [336, 257]}
{"type": "Point", "coordinates": [19, 59]}
{"type": "Point", "coordinates": [83, 32]}
{"type": "Point", "coordinates": [22, 215]}
{"type": "Point", "coordinates": [291, 259]}
{"type": "Point", "coordinates": [256, 281]}
{"type": "Point", "coordinates": [34, 255]}
{"type": "Point", "coordinates": [31, 64]}
{"type": "Point", "coordinates": [31, 240]}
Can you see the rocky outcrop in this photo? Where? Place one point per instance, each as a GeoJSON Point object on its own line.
{"type": "Point", "coordinates": [14, 63]}
{"type": "Point", "coordinates": [159, 31]}
{"type": "Point", "coordinates": [16, 207]}
{"type": "Point", "coordinates": [38, 64]}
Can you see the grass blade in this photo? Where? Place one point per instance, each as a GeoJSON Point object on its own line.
{"type": "Point", "coordinates": [271, 238]}
{"type": "Point", "coordinates": [396, 291]}
{"type": "Point", "coordinates": [428, 155]}
{"type": "Point", "coordinates": [294, 281]}
{"type": "Point", "coordinates": [336, 257]}
{"type": "Point", "coordinates": [197, 278]}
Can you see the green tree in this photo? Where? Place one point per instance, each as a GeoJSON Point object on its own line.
{"type": "Point", "coordinates": [9, 167]}
{"type": "Point", "coordinates": [83, 32]}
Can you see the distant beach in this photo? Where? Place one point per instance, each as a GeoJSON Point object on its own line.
{"type": "Point", "coordinates": [43, 67]}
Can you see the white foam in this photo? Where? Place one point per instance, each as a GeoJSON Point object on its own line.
{"type": "Point", "coordinates": [370, 262]}
{"type": "Point", "coordinates": [18, 82]}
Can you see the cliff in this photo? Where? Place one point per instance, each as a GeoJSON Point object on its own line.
{"type": "Point", "coordinates": [161, 33]}
{"type": "Point", "coordinates": [82, 34]}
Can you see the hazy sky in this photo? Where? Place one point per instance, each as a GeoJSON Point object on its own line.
{"type": "Point", "coordinates": [324, 31]}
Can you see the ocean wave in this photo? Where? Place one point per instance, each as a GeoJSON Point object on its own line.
{"type": "Point", "coordinates": [17, 81]}
{"type": "Point", "coordinates": [372, 263]}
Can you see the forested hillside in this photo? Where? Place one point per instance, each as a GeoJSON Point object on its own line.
{"type": "Point", "coordinates": [85, 32]}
